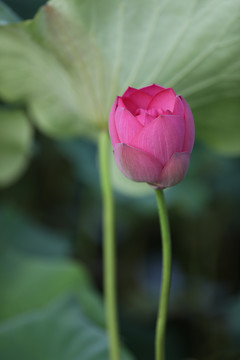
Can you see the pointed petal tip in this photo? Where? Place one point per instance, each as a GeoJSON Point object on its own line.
{"type": "Point", "coordinates": [129, 91]}
{"type": "Point", "coordinates": [164, 99]}
{"type": "Point", "coordinates": [152, 89]}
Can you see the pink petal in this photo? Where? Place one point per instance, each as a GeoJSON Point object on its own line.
{"type": "Point", "coordinates": [112, 127]}
{"type": "Point", "coordinates": [128, 104]}
{"type": "Point", "coordinates": [152, 89]}
{"type": "Point", "coordinates": [190, 128]}
{"type": "Point", "coordinates": [137, 165]}
{"type": "Point", "coordinates": [175, 170]}
{"type": "Point", "coordinates": [164, 100]}
{"type": "Point", "coordinates": [140, 99]}
{"type": "Point", "coordinates": [178, 107]}
{"type": "Point", "coordinates": [162, 137]}
{"type": "Point", "coordinates": [126, 124]}
{"type": "Point", "coordinates": [129, 91]}
{"type": "Point", "coordinates": [145, 118]}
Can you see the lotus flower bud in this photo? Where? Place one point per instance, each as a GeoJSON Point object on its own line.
{"type": "Point", "coordinates": [152, 134]}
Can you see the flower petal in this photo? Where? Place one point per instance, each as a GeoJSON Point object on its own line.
{"type": "Point", "coordinates": [178, 107]}
{"type": "Point", "coordinates": [112, 127]}
{"type": "Point", "coordinates": [152, 89]}
{"type": "Point", "coordinates": [140, 99]}
{"type": "Point", "coordinates": [129, 91]}
{"type": "Point", "coordinates": [128, 104]}
{"type": "Point", "coordinates": [174, 171]}
{"type": "Point", "coordinates": [126, 124]}
{"type": "Point", "coordinates": [162, 137]}
{"type": "Point", "coordinates": [144, 118]}
{"type": "Point", "coordinates": [136, 164]}
{"type": "Point", "coordinates": [190, 128]}
{"type": "Point", "coordinates": [164, 100]}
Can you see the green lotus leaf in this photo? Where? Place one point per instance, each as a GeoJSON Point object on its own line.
{"type": "Point", "coordinates": [49, 309]}
{"type": "Point", "coordinates": [15, 144]}
{"type": "Point", "coordinates": [61, 331]}
{"type": "Point", "coordinates": [75, 57]}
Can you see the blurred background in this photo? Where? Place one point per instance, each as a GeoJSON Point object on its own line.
{"type": "Point", "coordinates": [51, 255]}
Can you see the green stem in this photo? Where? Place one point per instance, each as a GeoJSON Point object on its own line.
{"type": "Point", "coordinates": [166, 277]}
{"type": "Point", "coordinates": [109, 251]}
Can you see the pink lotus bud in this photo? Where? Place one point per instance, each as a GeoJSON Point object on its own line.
{"type": "Point", "coordinates": [152, 133]}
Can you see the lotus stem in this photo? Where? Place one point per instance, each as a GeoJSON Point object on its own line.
{"type": "Point", "coordinates": [166, 277]}
{"type": "Point", "coordinates": [109, 247]}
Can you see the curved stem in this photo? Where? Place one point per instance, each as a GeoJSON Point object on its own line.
{"type": "Point", "coordinates": [166, 277]}
{"type": "Point", "coordinates": [109, 251]}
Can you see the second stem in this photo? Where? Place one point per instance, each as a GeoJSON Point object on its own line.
{"type": "Point", "coordinates": [166, 277]}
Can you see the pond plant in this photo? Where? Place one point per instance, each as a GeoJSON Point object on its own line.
{"type": "Point", "coordinates": [60, 73]}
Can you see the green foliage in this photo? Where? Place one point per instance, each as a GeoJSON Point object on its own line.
{"type": "Point", "coordinates": [35, 282]}
{"type": "Point", "coordinates": [218, 124]}
{"type": "Point", "coordinates": [15, 144]}
{"type": "Point", "coordinates": [70, 62]}
{"type": "Point", "coordinates": [33, 240]}
{"type": "Point", "coordinates": [15, 130]}
{"type": "Point", "coordinates": [59, 331]}
{"type": "Point", "coordinates": [48, 307]}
